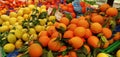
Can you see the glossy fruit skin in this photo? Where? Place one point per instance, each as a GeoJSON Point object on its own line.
{"type": "Point", "coordinates": [112, 11]}
{"type": "Point", "coordinates": [79, 31]}
{"type": "Point", "coordinates": [44, 40]}
{"type": "Point", "coordinates": [96, 28]}
{"type": "Point", "coordinates": [93, 41]}
{"type": "Point", "coordinates": [54, 44]}
{"type": "Point", "coordinates": [107, 32]}
{"type": "Point", "coordinates": [83, 23]}
{"type": "Point", "coordinates": [97, 18]}
{"type": "Point", "coordinates": [35, 50]}
{"type": "Point", "coordinates": [76, 42]}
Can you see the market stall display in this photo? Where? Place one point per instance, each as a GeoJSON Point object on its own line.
{"type": "Point", "coordinates": [59, 28]}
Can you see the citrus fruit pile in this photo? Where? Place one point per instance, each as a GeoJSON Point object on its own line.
{"type": "Point", "coordinates": [42, 31]}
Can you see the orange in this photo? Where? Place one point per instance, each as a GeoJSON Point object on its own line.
{"type": "Point", "coordinates": [97, 18]}
{"type": "Point", "coordinates": [44, 40]}
{"type": "Point", "coordinates": [76, 42]}
{"type": "Point", "coordinates": [71, 27]}
{"type": "Point", "coordinates": [88, 33]}
{"type": "Point", "coordinates": [112, 11]}
{"type": "Point", "coordinates": [79, 31]}
{"type": "Point", "coordinates": [64, 7]}
{"type": "Point", "coordinates": [63, 48]}
{"type": "Point", "coordinates": [93, 41]}
{"type": "Point", "coordinates": [107, 32]}
{"type": "Point", "coordinates": [62, 26]}
{"type": "Point", "coordinates": [64, 20]}
{"type": "Point", "coordinates": [104, 7]}
{"type": "Point", "coordinates": [51, 30]}
{"type": "Point", "coordinates": [73, 14]}
{"type": "Point", "coordinates": [111, 41]}
{"type": "Point", "coordinates": [35, 50]}
{"type": "Point", "coordinates": [68, 34]}
{"type": "Point", "coordinates": [83, 23]}
{"type": "Point", "coordinates": [55, 35]}
{"type": "Point", "coordinates": [106, 45]}
{"type": "Point", "coordinates": [87, 48]}
{"type": "Point", "coordinates": [74, 21]}
{"type": "Point", "coordinates": [93, 14]}
{"type": "Point", "coordinates": [43, 33]}
{"type": "Point", "coordinates": [56, 24]}
{"type": "Point", "coordinates": [81, 18]}
{"type": "Point", "coordinates": [116, 36]}
{"type": "Point", "coordinates": [72, 54]}
{"type": "Point", "coordinates": [96, 28]}
{"type": "Point", "coordinates": [54, 44]}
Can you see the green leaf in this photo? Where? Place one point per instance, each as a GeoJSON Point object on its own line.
{"type": "Point", "coordinates": [64, 53]}
{"type": "Point", "coordinates": [23, 49]}
{"type": "Point", "coordinates": [50, 54]}
{"type": "Point", "coordinates": [68, 15]}
{"type": "Point", "coordinates": [25, 55]}
{"type": "Point", "coordinates": [2, 52]}
{"type": "Point", "coordinates": [45, 52]}
{"type": "Point", "coordinates": [81, 55]}
{"type": "Point", "coordinates": [103, 38]}
{"type": "Point", "coordinates": [43, 15]}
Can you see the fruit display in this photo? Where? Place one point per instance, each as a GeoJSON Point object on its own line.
{"type": "Point", "coordinates": [56, 28]}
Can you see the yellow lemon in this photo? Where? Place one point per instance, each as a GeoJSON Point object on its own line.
{"type": "Point", "coordinates": [43, 10]}
{"type": "Point", "coordinates": [35, 36]}
{"type": "Point", "coordinates": [27, 10]}
{"type": "Point", "coordinates": [118, 53]}
{"type": "Point", "coordinates": [6, 23]}
{"type": "Point", "coordinates": [25, 37]}
{"type": "Point", "coordinates": [102, 55]}
{"type": "Point", "coordinates": [19, 27]}
{"type": "Point", "coordinates": [18, 43]}
{"type": "Point", "coordinates": [13, 14]}
{"type": "Point", "coordinates": [5, 17]}
{"type": "Point", "coordinates": [43, 7]}
{"type": "Point", "coordinates": [18, 33]}
{"type": "Point", "coordinates": [9, 47]}
{"type": "Point", "coordinates": [1, 21]}
{"type": "Point", "coordinates": [5, 28]}
{"type": "Point", "coordinates": [51, 18]}
{"type": "Point", "coordinates": [31, 6]}
{"type": "Point", "coordinates": [12, 20]}
{"type": "Point", "coordinates": [39, 28]}
{"type": "Point", "coordinates": [25, 16]}
{"type": "Point", "coordinates": [49, 23]}
{"type": "Point", "coordinates": [32, 31]}
{"type": "Point", "coordinates": [11, 38]}
{"type": "Point", "coordinates": [42, 22]}
{"type": "Point", "coordinates": [20, 13]}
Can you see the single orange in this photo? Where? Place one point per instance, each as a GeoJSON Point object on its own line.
{"type": "Point", "coordinates": [43, 33]}
{"type": "Point", "coordinates": [112, 11]}
{"type": "Point", "coordinates": [87, 48]}
{"type": "Point", "coordinates": [88, 33]}
{"type": "Point", "coordinates": [83, 23]}
{"type": "Point", "coordinates": [79, 31]}
{"type": "Point", "coordinates": [96, 28]}
{"type": "Point", "coordinates": [72, 54]}
{"type": "Point", "coordinates": [104, 7]}
{"type": "Point", "coordinates": [74, 21]}
{"type": "Point", "coordinates": [107, 32]}
{"type": "Point", "coordinates": [71, 27]}
{"type": "Point", "coordinates": [44, 40]}
{"type": "Point", "coordinates": [76, 42]}
{"type": "Point", "coordinates": [97, 18]}
{"type": "Point", "coordinates": [93, 41]}
{"type": "Point", "coordinates": [35, 50]}
{"type": "Point", "coordinates": [68, 34]}
{"type": "Point", "coordinates": [64, 20]}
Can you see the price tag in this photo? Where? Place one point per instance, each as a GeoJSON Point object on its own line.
{"type": "Point", "coordinates": [58, 15]}
{"type": "Point", "coordinates": [50, 10]}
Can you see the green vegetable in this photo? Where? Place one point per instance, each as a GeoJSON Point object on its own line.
{"type": "Point", "coordinates": [50, 54]}
{"type": "Point", "coordinates": [68, 15]}
{"type": "Point", "coordinates": [43, 15]}
{"type": "Point", "coordinates": [112, 47]}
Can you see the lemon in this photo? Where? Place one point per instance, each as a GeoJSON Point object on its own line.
{"type": "Point", "coordinates": [19, 27]}
{"type": "Point", "coordinates": [39, 28]}
{"type": "Point", "coordinates": [11, 27]}
{"type": "Point", "coordinates": [6, 23]}
{"type": "Point", "coordinates": [24, 30]}
{"type": "Point", "coordinates": [118, 53]}
{"type": "Point", "coordinates": [32, 31]}
{"type": "Point", "coordinates": [31, 6]}
{"type": "Point", "coordinates": [25, 37]}
{"type": "Point", "coordinates": [25, 16]}
{"type": "Point", "coordinates": [49, 23]}
{"type": "Point", "coordinates": [20, 13]}
{"type": "Point", "coordinates": [38, 8]}
{"type": "Point", "coordinates": [51, 18]}
{"type": "Point", "coordinates": [18, 33]}
{"type": "Point", "coordinates": [43, 10]}
{"type": "Point", "coordinates": [43, 7]}
{"type": "Point", "coordinates": [13, 14]}
{"type": "Point", "coordinates": [1, 21]}
{"type": "Point", "coordinates": [18, 43]}
{"type": "Point", "coordinates": [12, 20]}
{"type": "Point", "coordinates": [5, 17]}
{"type": "Point", "coordinates": [4, 28]}
{"type": "Point", "coordinates": [20, 19]}
{"type": "Point", "coordinates": [42, 22]}
{"type": "Point", "coordinates": [13, 31]}
{"type": "Point", "coordinates": [27, 10]}
{"type": "Point", "coordinates": [102, 55]}
{"type": "Point", "coordinates": [35, 36]}
{"type": "Point", "coordinates": [11, 38]}
{"type": "Point", "coordinates": [9, 47]}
